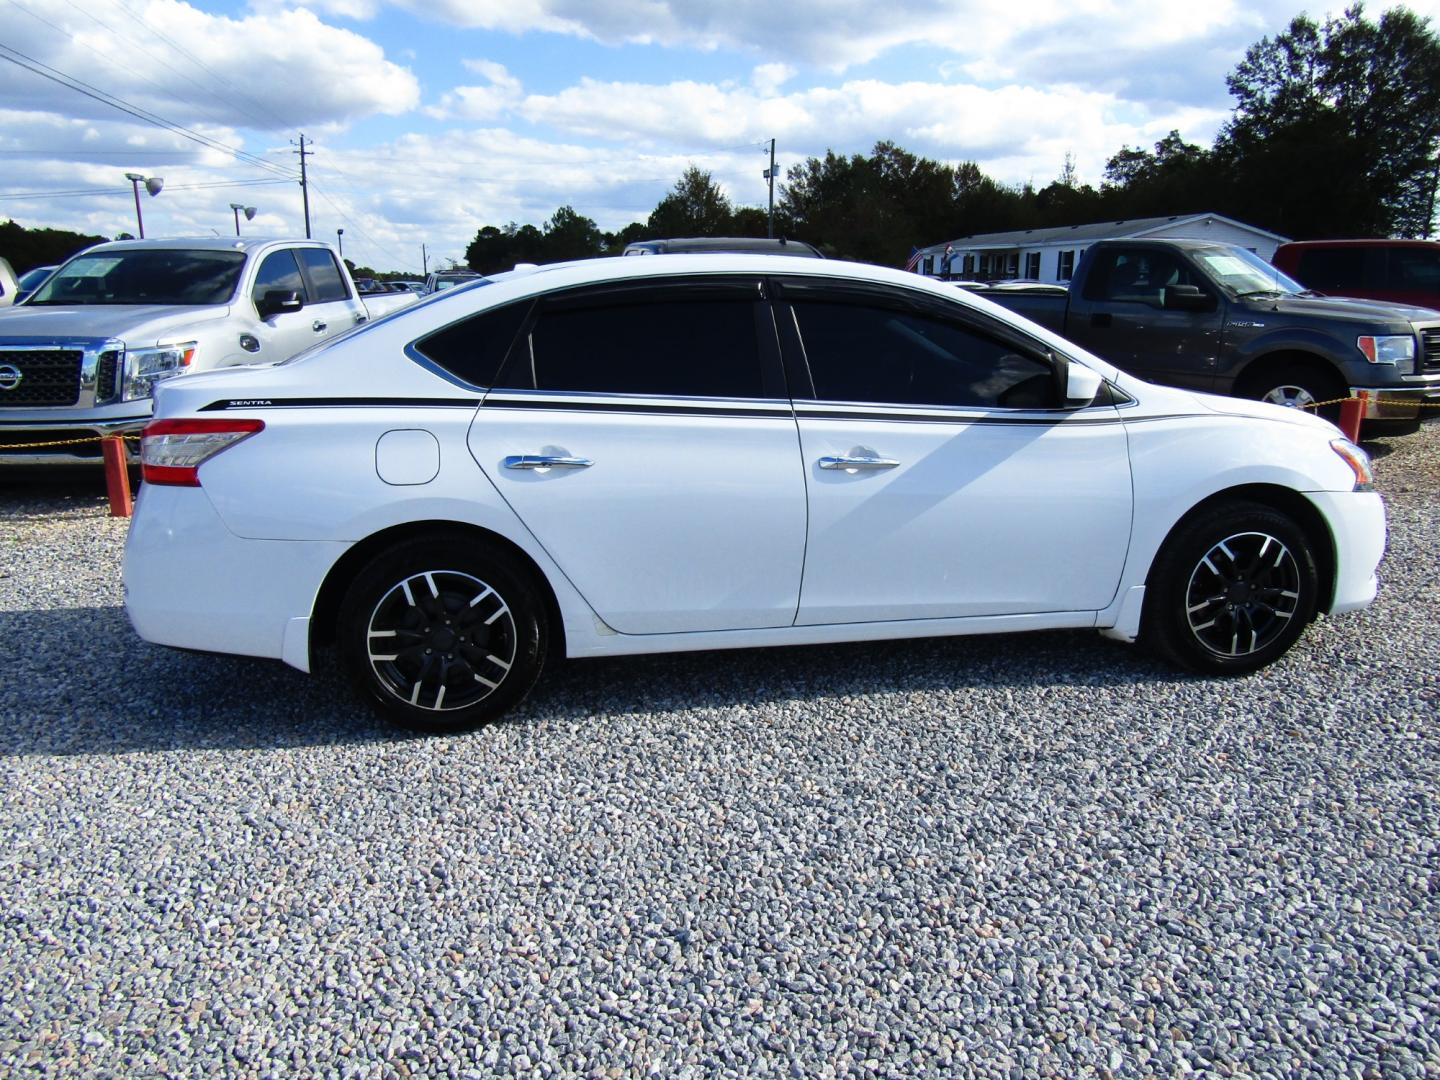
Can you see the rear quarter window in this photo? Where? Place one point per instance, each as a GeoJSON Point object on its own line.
{"type": "Point", "coordinates": [473, 349]}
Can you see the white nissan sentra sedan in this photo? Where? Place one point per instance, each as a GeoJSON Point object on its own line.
{"type": "Point", "coordinates": [713, 451]}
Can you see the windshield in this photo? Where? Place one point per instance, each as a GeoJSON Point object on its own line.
{"type": "Point", "coordinates": [1244, 272]}
{"type": "Point", "coordinates": [31, 278]}
{"type": "Point", "coordinates": [149, 276]}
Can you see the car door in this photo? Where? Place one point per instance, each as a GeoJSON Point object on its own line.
{"type": "Point", "coordinates": [944, 478]}
{"type": "Point", "coordinates": [643, 435]}
{"type": "Point", "coordinates": [332, 307]}
{"type": "Point", "coordinates": [288, 332]}
{"type": "Point", "coordinates": [1122, 316]}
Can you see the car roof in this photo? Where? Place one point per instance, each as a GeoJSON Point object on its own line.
{"type": "Point", "coordinates": [1373, 243]}
{"type": "Point", "coordinates": [205, 243]}
{"type": "Point", "coordinates": [736, 244]}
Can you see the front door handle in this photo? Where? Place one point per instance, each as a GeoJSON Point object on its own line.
{"type": "Point", "coordinates": [849, 464]}
{"type": "Point", "coordinates": [318, 325]}
{"type": "Point", "coordinates": [545, 461]}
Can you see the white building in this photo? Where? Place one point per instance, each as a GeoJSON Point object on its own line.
{"type": "Point", "coordinates": [1051, 254]}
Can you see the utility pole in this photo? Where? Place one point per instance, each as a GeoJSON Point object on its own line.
{"type": "Point", "coordinates": [304, 187]}
{"type": "Point", "coordinates": [424, 262]}
{"type": "Point", "coordinates": [770, 176]}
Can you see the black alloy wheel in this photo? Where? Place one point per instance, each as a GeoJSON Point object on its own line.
{"type": "Point", "coordinates": [1231, 590]}
{"type": "Point", "coordinates": [440, 638]}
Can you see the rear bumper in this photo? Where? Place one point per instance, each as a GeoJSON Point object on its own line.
{"type": "Point", "coordinates": [193, 584]}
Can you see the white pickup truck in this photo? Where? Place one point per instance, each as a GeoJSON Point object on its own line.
{"type": "Point", "coordinates": [80, 357]}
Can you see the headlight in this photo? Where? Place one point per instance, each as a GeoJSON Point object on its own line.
{"type": "Point", "coordinates": [1359, 463]}
{"type": "Point", "coordinates": [145, 367]}
{"type": "Point", "coordinates": [1396, 349]}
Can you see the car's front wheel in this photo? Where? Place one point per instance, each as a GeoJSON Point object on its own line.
{"type": "Point", "coordinates": [1231, 590]}
{"type": "Point", "coordinates": [442, 635]}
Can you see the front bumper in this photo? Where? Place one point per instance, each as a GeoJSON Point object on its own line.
{"type": "Point", "coordinates": [66, 440]}
{"type": "Point", "coordinates": [1417, 397]}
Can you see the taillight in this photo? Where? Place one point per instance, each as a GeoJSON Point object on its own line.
{"type": "Point", "coordinates": [172, 451]}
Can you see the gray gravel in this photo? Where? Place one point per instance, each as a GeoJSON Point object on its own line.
{"type": "Point", "coordinates": [1020, 856]}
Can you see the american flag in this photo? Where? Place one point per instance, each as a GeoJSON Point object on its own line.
{"type": "Point", "coordinates": [915, 254]}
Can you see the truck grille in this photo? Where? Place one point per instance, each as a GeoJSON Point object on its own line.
{"type": "Point", "coordinates": [1430, 351]}
{"type": "Point", "coordinates": [39, 376]}
{"type": "Point", "coordinates": [106, 372]}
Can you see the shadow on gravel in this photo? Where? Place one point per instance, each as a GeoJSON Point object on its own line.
{"type": "Point", "coordinates": [84, 683]}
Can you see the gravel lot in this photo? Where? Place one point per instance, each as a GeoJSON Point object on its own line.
{"type": "Point", "coordinates": [1020, 856]}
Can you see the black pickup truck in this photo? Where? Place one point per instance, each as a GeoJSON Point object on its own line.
{"type": "Point", "coordinates": [1214, 317]}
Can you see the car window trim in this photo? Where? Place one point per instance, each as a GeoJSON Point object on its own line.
{"type": "Point", "coordinates": [746, 288]}
{"type": "Point", "coordinates": [911, 301]}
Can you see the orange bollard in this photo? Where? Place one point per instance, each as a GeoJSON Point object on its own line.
{"type": "Point", "coordinates": [1352, 411]}
{"type": "Point", "coordinates": [117, 476]}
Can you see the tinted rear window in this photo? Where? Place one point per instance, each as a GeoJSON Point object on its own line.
{"type": "Point", "coordinates": [473, 349]}
{"type": "Point", "coordinates": [674, 348]}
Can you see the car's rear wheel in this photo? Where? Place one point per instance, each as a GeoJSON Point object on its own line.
{"type": "Point", "coordinates": [442, 635]}
{"type": "Point", "coordinates": [1231, 590]}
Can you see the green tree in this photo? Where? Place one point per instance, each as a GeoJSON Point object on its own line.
{"type": "Point", "coordinates": [695, 206]}
{"type": "Point", "coordinates": [569, 235]}
{"type": "Point", "coordinates": [1336, 128]}
{"type": "Point", "coordinates": [29, 248]}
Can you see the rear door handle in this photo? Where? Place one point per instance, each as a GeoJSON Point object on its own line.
{"type": "Point", "coordinates": [545, 461]}
{"type": "Point", "coordinates": [318, 325]}
{"type": "Point", "coordinates": [852, 463]}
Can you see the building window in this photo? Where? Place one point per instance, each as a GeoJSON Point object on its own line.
{"type": "Point", "coordinates": [1067, 266]}
{"type": "Point", "coordinates": [1032, 266]}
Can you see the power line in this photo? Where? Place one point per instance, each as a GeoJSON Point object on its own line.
{"type": "Point", "coordinates": [191, 60]}
{"type": "Point", "coordinates": [45, 71]}
{"type": "Point", "coordinates": [126, 191]}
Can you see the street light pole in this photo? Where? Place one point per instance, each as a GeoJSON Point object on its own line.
{"type": "Point", "coordinates": [249, 214]}
{"type": "Point", "coordinates": [340, 240]}
{"type": "Point", "coordinates": [153, 184]}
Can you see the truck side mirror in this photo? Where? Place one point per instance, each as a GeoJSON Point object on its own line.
{"type": "Point", "coordinates": [1187, 298]}
{"type": "Point", "coordinates": [278, 302]}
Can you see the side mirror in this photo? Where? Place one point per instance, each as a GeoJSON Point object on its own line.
{"type": "Point", "coordinates": [1081, 386]}
{"type": "Point", "coordinates": [278, 302]}
{"type": "Point", "coordinates": [1187, 298]}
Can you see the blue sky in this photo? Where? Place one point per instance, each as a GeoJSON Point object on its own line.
{"type": "Point", "coordinates": [431, 119]}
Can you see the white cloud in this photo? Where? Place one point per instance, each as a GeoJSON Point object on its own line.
{"type": "Point", "coordinates": [489, 102]}
{"type": "Point", "coordinates": [263, 72]}
{"type": "Point", "coordinates": [768, 78]}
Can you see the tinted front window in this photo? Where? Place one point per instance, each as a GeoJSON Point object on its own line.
{"type": "Point", "coordinates": [1138, 276]}
{"type": "Point", "coordinates": [874, 354]}
{"type": "Point", "coordinates": [677, 348]}
{"type": "Point", "coordinates": [326, 281]}
{"type": "Point", "coordinates": [279, 272]}
{"type": "Point", "coordinates": [145, 277]}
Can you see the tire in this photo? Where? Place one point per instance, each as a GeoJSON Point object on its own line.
{"type": "Point", "coordinates": [470, 627]}
{"type": "Point", "coordinates": [1231, 590]}
{"type": "Point", "coordinates": [1297, 386]}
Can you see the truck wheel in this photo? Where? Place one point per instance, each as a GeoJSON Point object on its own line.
{"type": "Point", "coordinates": [442, 635]}
{"type": "Point", "coordinates": [1231, 590]}
{"type": "Point", "coordinates": [1300, 386]}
